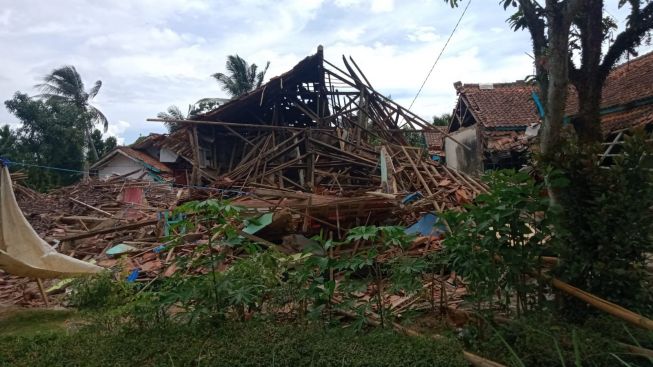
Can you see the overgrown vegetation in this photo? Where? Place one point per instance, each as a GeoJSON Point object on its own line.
{"type": "Point", "coordinates": [607, 227]}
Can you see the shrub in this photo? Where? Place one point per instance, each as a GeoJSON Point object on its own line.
{"type": "Point", "coordinates": [607, 224]}
{"type": "Point", "coordinates": [498, 240]}
{"type": "Point", "coordinates": [541, 341]}
{"type": "Point", "coordinates": [100, 291]}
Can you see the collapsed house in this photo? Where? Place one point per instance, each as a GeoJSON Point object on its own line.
{"type": "Point", "coordinates": [496, 120]}
{"type": "Point", "coordinates": [314, 150]}
{"type": "Point", "coordinates": [325, 141]}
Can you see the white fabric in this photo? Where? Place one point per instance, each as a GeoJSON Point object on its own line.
{"type": "Point", "coordinates": [22, 251]}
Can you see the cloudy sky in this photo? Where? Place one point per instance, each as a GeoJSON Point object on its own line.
{"type": "Point", "coordinates": [154, 53]}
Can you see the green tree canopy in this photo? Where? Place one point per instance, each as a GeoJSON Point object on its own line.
{"type": "Point", "coordinates": [442, 120]}
{"type": "Point", "coordinates": [65, 85]}
{"type": "Point", "coordinates": [51, 134]}
{"type": "Point", "coordinates": [241, 77]}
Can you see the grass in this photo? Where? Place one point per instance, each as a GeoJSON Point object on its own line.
{"type": "Point", "coordinates": [37, 339]}
{"type": "Point", "coordinates": [22, 323]}
{"type": "Point", "coordinates": [546, 341]}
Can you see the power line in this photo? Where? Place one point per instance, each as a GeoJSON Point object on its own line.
{"type": "Point", "coordinates": [441, 52]}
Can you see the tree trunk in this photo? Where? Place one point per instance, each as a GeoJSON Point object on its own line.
{"type": "Point", "coordinates": [91, 147]}
{"type": "Point", "coordinates": [556, 98]}
{"type": "Point", "coordinates": [589, 80]}
{"type": "Point", "coordinates": [587, 122]}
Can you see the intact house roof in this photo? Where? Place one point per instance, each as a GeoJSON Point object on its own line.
{"type": "Point", "coordinates": [495, 105]}
{"type": "Point", "coordinates": [503, 111]}
{"type": "Point", "coordinates": [626, 100]}
{"type": "Point", "coordinates": [627, 96]}
{"type": "Point", "coordinates": [137, 156]}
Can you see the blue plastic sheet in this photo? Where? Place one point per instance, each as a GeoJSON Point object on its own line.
{"type": "Point", "coordinates": [427, 225]}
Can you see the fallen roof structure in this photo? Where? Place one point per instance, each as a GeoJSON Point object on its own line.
{"type": "Point", "coordinates": [322, 130]}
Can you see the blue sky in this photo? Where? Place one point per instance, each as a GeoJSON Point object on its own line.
{"type": "Point", "coordinates": [154, 53]}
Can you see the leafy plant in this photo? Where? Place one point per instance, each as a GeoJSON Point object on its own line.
{"type": "Point", "coordinates": [499, 239]}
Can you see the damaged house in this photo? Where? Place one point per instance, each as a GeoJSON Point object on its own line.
{"type": "Point", "coordinates": [322, 141]}
{"type": "Point", "coordinates": [496, 120]}
{"type": "Point", "coordinates": [492, 120]}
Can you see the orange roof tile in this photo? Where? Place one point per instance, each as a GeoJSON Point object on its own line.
{"type": "Point", "coordinates": [504, 104]}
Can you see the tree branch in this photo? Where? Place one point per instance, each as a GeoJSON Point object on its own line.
{"type": "Point", "coordinates": [639, 24]}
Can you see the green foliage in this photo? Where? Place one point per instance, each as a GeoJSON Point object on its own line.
{"type": "Point", "coordinates": [236, 344]}
{"type": "Point", "coordinates": [442, 120]}
{"type": "Point", "coordinates": [49, 135]}
{"type": "Point", "coordinates": [538, 340]}
{"type": "Point", "coordinates": [100, 291]}
{"type": "Point", "coordinates": [607, 226]}
{"type": "Point", "coordinates": [52, 133]}
{"type": "Point", "coordinates": [174, 113]}
{"type": "Point", "coordinates": [22, 322]}
{"type": "Point", "coordinates": [500, 239]}
{"type": "Point", "coordinates": [241, 78]}
{"type": "Point", "coordinates": [103, 146]}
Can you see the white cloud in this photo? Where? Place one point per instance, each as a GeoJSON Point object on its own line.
{"type": "Point", "coordinates": [5, 16]}
{"type": "Point", "coordinates": [424, 34]}
{"type": "Point", "coordinates": [154, 53]}
{"type": "Point", "coordinates": [382, 6]}
{"type": "Point", "coordinates": [117, 129]}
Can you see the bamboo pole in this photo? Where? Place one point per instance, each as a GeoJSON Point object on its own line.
{"type": "Point", "coordinates": [603, 305]}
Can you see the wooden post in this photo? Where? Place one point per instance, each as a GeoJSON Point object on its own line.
{"type": "Point", "coordinates": [43, 294]}
{"type": "Point", "coordinates": [310, 161]}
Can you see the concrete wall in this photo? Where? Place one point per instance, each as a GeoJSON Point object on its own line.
{"type": "Point", "coordinates": [121, 165]}
{"type": "Point", "coordinates": [461, 159]}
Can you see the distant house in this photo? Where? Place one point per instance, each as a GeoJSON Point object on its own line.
{"type": "Point", "coordinates": [435, 142]}
{"type": "Point", "coordinates": [490, 121]}
{"type": "Point", "coordinates": [494, 121]}
{"type": "Point", "coordinates": [132, 164]}
{"type": "Point", "coordinates": [154, 157]}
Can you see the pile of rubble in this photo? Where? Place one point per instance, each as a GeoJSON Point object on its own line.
{"type": "Point", "coordinates": [317, 150]}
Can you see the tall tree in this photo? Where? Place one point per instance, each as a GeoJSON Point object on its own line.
{"type": "Point", "coordinates": [103, 145]}
{"type": "Point", "coordinates": [51, 135]}
{"type": "Point", "coordinates": [65, 85]}
{"type": "Point", "coordinates": [241, 77]}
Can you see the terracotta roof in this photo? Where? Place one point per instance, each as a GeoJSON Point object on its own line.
{"type": "Point", "coordinates": [501, 105]}
{"type": "Point", "coordinates": [135, 155]}
{"type": "Point", "coordinates": [626, 84]}
{"type": "Point", "coordinates": [512, 105]}
{"type": "Point", "coordinates": [435, 139]}
{"type": "Point", "coordinates": [505, 140]}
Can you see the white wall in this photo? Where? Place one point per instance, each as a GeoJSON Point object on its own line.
{"type": "Point", "coordinates": [167, 156]}
{"type": "Point", "coordinates": [460, 158]}
{"type": "Point", "coordinates": [120, 165]}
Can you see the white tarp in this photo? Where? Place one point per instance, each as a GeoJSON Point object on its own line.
{"type": "Point", "coordinates": [22, 251]}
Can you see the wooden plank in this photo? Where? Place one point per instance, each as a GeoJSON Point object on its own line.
{"type": "Point", "coordinates": [110, 230]}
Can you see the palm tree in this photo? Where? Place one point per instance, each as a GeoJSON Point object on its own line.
{"type": "Point", "coordinates": [173, 113]}
{"type": "Point", "coordinates": [65, 85]}
{"type": "Point", "coordinates": [241, 78]}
